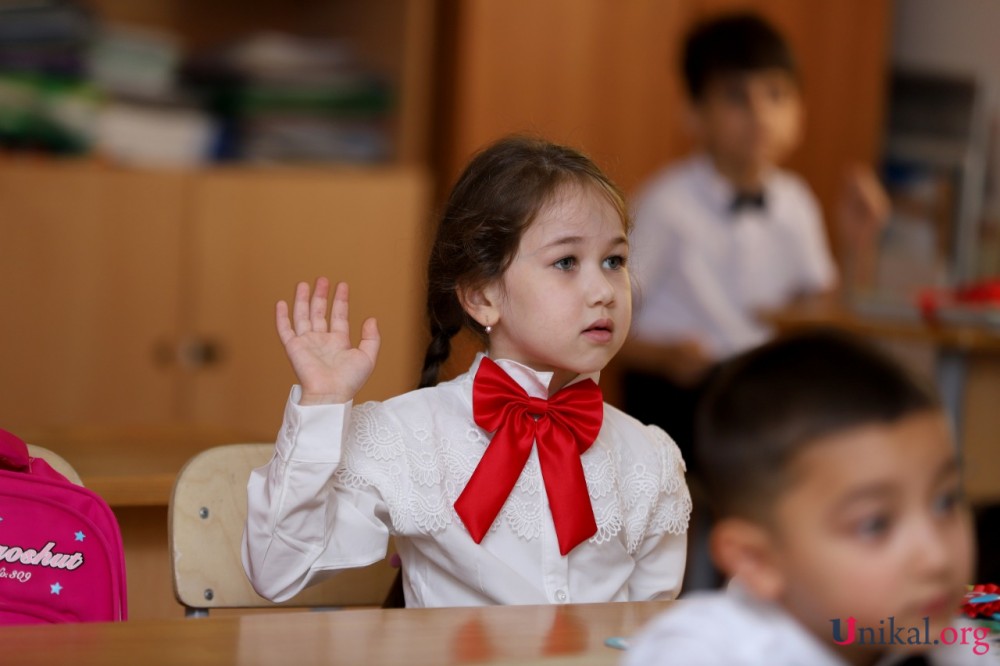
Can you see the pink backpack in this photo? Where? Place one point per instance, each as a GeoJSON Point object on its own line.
{"type": "Point", "coordinates": [61, 557]}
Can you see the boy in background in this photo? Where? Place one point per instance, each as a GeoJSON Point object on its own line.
{"type": "Point", "coordinates": [840, 520]}
{"type": "Point", "coordinates": [726, 234]}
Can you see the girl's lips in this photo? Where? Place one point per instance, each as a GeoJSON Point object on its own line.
{"type": "Point", "coordinates": [598, 334]}
{"type": "Point", "coordinates": [601, 324]}
{"type": "Point", "coordinates": [600, 331]}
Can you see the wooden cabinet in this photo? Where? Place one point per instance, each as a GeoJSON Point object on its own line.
{"type": "Point", "coordinates": [148, 297]}
{"type": "Point", "coordinates": [139, 305]}
{"type": "Point", "coordinates": [89, 271]}
{"type": "Point", "coordinates": [253, 235]}
{"type": "Point", "coordinates": [139, 315]}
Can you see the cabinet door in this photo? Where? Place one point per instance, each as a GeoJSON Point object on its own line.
{"type": "Point", "coordinates": [258, 233]}
{"type": "Point", "coordinates": [88, 288]}
{"type": "Point", "coordinates": [596, 75]}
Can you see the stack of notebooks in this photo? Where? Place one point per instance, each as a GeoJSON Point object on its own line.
{"type": "Point", "coordinates": [46, 102]}
{"type": "Point", "coordinates": [295, 99]}
{"type": "Point", "coordinates": [72, 83]}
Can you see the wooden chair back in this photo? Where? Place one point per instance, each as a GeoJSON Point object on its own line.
{"type": "Point", "coordinates": [56, 461]}
{"type": "Point", "coordinates": [206, 520]}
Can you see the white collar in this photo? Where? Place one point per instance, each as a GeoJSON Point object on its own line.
{"type": "Point", "coordinates": [534, 382]}
{"type": "Point", "coordinates": [718, 190]}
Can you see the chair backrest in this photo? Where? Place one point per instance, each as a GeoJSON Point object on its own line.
{"type": "Point", "coordinates": [207, 513]}
{"type": "Point", "coordinates": [56, 461]}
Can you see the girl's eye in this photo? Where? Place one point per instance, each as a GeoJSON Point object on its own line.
{"type": "Point", "coordinates": [565, 264]}
{"type": "Point", "coordinates": [872, 527]}
{"type": "Point", "coordinates": [614, 263]}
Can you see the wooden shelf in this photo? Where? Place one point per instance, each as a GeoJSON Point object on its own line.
{"type": "Point", "coordinates": [396, 37]}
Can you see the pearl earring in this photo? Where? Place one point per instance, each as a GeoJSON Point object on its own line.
{"type": "Point", "coordinates": [489, 329]}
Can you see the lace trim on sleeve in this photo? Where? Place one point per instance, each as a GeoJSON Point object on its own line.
{"type": "Point", "coordinates": [673, 508]}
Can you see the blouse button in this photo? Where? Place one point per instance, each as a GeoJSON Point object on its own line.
{"type": "Point", "coordinates": [561, 596]}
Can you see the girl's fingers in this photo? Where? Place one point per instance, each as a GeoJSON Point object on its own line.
{"type": "Point", "coordinates": [300, 309]}
{"type": "Point", "coordinates": [339, 321]}
{"type": "Point", "coordinates": [317, 307]}
{"type": "Point", "coordinates": [284, 326]}
{"type": "Point", "coordinates": [371, 340]}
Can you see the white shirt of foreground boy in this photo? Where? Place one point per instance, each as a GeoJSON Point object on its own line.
{"type": "Point", "coordinates": [733, 628]}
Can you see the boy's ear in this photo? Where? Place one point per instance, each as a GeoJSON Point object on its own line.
{"type": "Point", "coordinates": [746, 551]}
{"type": "Point", "coordinates": [480, 303]}
{"type": "Point", "coordinates": [693, 121]}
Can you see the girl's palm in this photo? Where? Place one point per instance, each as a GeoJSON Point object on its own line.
{"type": "Point", "coordinates": [328, 367]}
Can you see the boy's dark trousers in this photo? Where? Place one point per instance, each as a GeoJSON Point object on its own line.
{"type": "Point", "coordinates": [656, 400]}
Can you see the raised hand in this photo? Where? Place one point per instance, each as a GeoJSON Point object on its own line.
{"type": "Point", "coordinates": [863, 212]}
{"type": "Point", "coordinates": [329, 369]}
{"type": "Point", "coordinates": [864, 206]}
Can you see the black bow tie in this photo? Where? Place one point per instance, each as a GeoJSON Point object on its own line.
{"type": "Point", "coordinates": [747, 201]}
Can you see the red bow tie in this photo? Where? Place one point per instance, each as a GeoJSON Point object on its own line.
{"type": "Point", "coordinates": [564, 426]}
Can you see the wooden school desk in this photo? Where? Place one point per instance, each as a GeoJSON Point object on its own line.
{"type": "Point", "coordinates": [966, 371]}
{"type": "Point", "coordinates": [568, 634]}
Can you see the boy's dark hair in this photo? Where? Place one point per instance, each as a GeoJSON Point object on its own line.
{"type": "Point", "coordinates": [767, 405]}
{"type": "Point", "coordinates": [732, 44]}
{"type": "Point", "coordinates": [497, 196]}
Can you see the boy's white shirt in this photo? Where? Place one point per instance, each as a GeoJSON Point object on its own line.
{"type": "Point", "coordinates": [701, 271]}
{"type": "Point", "coordinates": [734, 628]}
{"type": "Point", "coordinates": [343, 479]}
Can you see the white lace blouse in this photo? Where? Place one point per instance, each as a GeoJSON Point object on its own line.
{"type": "Point", "coordinates": [343, 480]}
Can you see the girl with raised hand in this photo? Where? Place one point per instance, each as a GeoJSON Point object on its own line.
{"type": "Point", "coordinates": [512, 483]}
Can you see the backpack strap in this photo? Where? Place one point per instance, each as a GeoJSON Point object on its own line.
{"type": "Point", "coordinates": [13, 453]}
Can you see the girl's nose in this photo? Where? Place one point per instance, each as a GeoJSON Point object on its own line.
{"type": "Point", "coordinates": [602, 292]}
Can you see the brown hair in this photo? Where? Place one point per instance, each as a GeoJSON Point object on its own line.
{"type": "Point", "coordinates": [767, 405]}
{"type": "Point", "coordinates": [494, 200]}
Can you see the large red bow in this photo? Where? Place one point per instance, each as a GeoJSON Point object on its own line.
{"type": "Point", "coordinates": [564, 426]}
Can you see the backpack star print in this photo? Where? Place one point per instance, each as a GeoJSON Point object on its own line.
{"type": "Point", "coordinates": [61, 557]}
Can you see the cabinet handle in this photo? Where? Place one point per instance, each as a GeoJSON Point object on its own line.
{"type": "Point", "coordinates": [197, 352]}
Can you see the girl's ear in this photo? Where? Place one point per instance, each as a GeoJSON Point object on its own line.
{"type": "Point", "coordinates": [746, 551]}
{"type": "Point", "coordinates": [481, 303]}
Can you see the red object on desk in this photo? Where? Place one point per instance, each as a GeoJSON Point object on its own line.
{"type": "Point", "coordinates": [976, 295]}
{"type": "Point", "coordinates": [981, 610]}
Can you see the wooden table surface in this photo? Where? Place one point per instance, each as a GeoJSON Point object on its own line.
{"type": "Point", "coordinates": [569, 634]}
{"type": "Point", "coordinates": [889, 325]}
